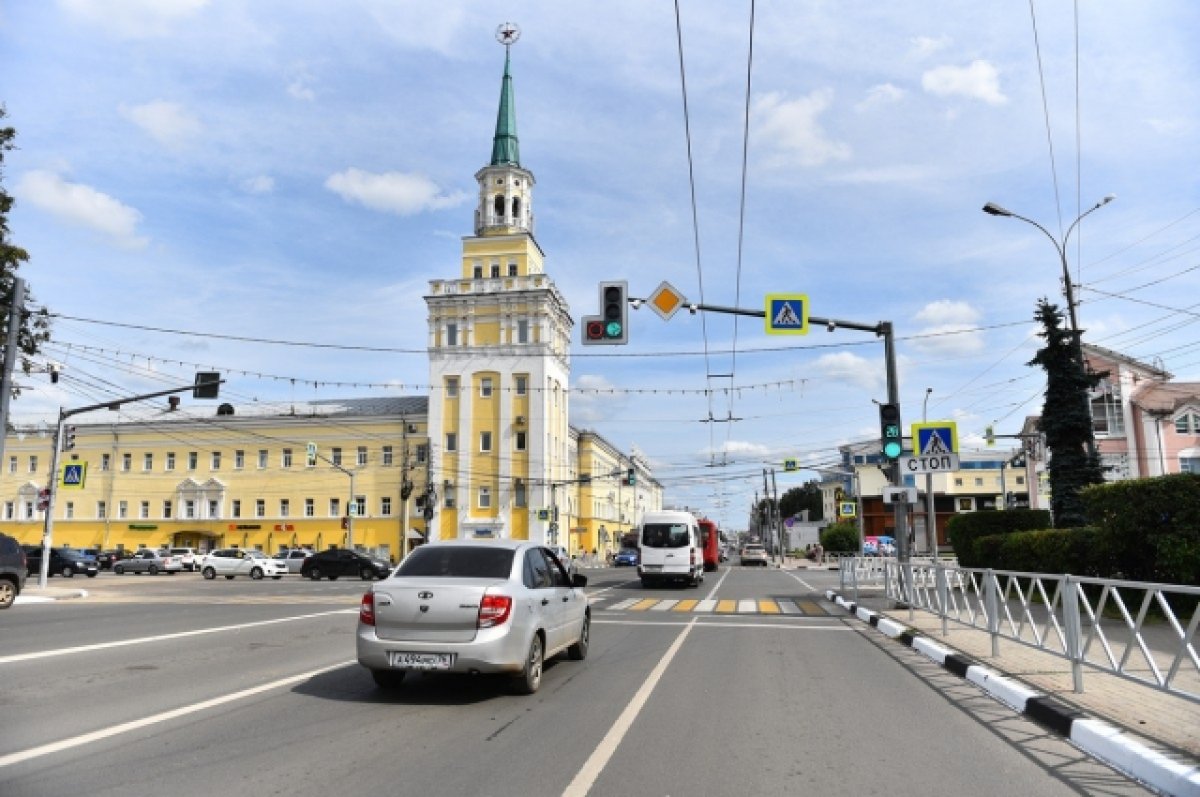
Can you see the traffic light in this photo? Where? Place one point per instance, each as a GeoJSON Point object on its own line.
{"type": "Point", "coordinates": [611, 326]}
{"type": "Point", "coordinates": [631, 477]}
{"type": "Point", "coordinates": [311, 455]}
{"type": "Point", "coordinates": [68, 438]}
{"type": "Point", "coordinates": [989, 435]}
{"type": "Point", "coordinates": [890, 431]}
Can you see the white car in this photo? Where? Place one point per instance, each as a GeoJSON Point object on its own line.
{"type": "Point", "coordinates": [293, 558]}
{"type": "Point", "coordinates": [231, 562]}
{"type": "Point", "coordinates": [187, 557]}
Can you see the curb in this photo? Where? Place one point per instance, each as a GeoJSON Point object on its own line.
{"type": "Point", "coordinates": [1095, 737]}
{"type": "Point", "coordinates": [59, 595]}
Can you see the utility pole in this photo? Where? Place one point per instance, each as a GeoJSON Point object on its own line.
{"type": "Point", "coordinates": [15, 312]}
{"type": "Point", "coordinates": [778, 516]}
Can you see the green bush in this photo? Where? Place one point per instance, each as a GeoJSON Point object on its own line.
{"type": "Point", "coordinates": [1074, 551]}
{"type": "Point", "coordinates": [1149, 528]}
{"type": "Point", "coordinates": [966, 529]}
{"type": "Point", "coordinates": [840, 538]}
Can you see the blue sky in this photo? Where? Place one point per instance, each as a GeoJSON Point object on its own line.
{"type": "Point", "coordinates": [298, 171]}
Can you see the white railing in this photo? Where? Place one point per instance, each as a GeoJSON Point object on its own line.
{"type": "Point", "coordinates": [1141, 631]}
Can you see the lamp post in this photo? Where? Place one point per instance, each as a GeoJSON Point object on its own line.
{"type": "Point", "coordinates": [930, 509]}
{"type": "Point", "coordinates": [992, 209]}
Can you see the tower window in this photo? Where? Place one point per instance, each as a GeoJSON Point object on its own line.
{"type": "Point", "coordinates": [478, 271]}
{"type": "Point", "coordinates": [516, 207]}
{"type": "Point", "coordinates": [498, 206]}
{"type": "Point", "coordinates": [495, 270]}
{"type": "Point", "coordinates": [512, 269]}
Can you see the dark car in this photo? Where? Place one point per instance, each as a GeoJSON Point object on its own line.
{"type": "Point", "coordinates": [344, 562]}
{"type": "Point", "coordinates": [64, 562]}
{"type": "Point", "coordinates": [13, 571]}
{"type": "Point", "coordinates": [626, 557]}
{"type": "Point", "coordinates": [106, 559]}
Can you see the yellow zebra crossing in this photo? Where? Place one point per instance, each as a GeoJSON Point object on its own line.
{"type": "Point", "coordinates": [772, 606]}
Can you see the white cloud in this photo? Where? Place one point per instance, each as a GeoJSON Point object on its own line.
{"type": "Point", "coordinates": [946, 322]}
{"type": "Point", "coordinates": [883, 94]}
{"type": "Point", "coordinates": [899, 174]}
{"type": "Point", "coordinates": [261, 184]}
{"type": "Point", "coordinates": [593, 400]}
{"type": "Point", "coordinates": [979, 81]}
{"type": "Point", "coordinates": [168, 123]}
{"type": "Point", "coordinates": [136, 19]}
{"type": "Point", "coordinates": [83, 205]}
{"type": "Point", "coordinates": [925, 46]}
{"type": "Point", "coordinates": [851, 369]}
{"type": "Point", "coordinates": [298, 90]}
{"type": "Point", "coordinates": [791, 128]}
{"type": "Point", "coordinates": [744, 449]}
{"type": "Point", "coordinates": [948, 311]}
{"type": "Point", "coordinates": [392, 192]}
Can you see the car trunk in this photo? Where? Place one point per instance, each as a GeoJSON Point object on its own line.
{"type": "Point", "coordinates": [427, 609]}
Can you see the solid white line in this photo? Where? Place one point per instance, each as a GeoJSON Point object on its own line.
{"type": "Point", "coordinates": [802, 581]}
{"type": "Point", "coordinates": [43, 654]}
{"type": "Point", "coordinates": [125, 727]}
{"type": "Point", "coordinates": [604, 751]}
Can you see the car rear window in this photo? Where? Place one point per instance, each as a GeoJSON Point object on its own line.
{"type": "Point", "coordinates": [462, 561]}
{"type": "Point", "coordinates": [665, 535]}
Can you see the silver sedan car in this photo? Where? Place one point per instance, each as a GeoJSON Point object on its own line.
{"type": "Point", "coordinates": [148, 561]}
{"type": "Point", "coordinates": [473, 606]}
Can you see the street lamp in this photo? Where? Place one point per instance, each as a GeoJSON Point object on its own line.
{"type": "Point", "coordinates": [930, 510]}
{"type": "Point", "coordinates": [992, 209]}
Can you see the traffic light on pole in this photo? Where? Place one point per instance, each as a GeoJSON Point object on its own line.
{"type": "Point", "coordinates": [611, 326]}
{"type": "Point", "coordinates": [890, 431]}
{"type": "Point", "coordinates": [631, 477]}
{"type": "Point", "coordinates": [68, 438]}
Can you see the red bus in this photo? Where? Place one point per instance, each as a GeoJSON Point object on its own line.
{"type": "Point", "coordinates": [712, 545]}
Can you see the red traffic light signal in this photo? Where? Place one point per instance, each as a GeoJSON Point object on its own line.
{"type": "Point", "coordinates": [593, 330]}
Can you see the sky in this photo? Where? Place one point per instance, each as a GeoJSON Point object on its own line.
{"type": "Point", "coordinates": [266, 189]}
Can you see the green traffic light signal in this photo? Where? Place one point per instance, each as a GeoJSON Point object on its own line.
{"type": "Point", "coordinates": [891, 431]}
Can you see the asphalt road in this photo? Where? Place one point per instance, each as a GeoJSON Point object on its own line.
{"type": "Point", "coordinates": [180, 686]}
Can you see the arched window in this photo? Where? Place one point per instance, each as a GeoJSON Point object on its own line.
{"type": "Point", "coordinates": [498, 206]}
{"type": "Point", "coordinates": [517, 209]}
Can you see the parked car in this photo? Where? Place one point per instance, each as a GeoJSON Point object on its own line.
{"type": "Point", "coordinates": [293, 558]}
{"type": "Point", "coordinates": [467, 606]}
{"type": "Point", "coordinates": [560, 553]}
{"type": "Point", "coordinates": [148, 561]}
{"type": "Point", "coordinates": [344, 562]}
{"type": "Point", "coordinates": [13, 570]}
{"type": "Point", "coordinates": [233, 562]}
{"type": "Point", "coordinates": [754, 554]}
{"type": "Point", "coordinates": [64, 562]}
{"type": "Point", "coordinates": [626, 557]}
{"type": "Point", "coordinates": [188, 558]}
{"type": "Point", "coordinates": [104, 559]}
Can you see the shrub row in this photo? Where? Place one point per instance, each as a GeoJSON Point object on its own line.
{"type": "Point", "coordinates": [967, 529]}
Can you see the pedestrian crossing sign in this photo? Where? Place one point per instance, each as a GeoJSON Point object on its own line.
{"type": "Point", "coordinates": [786, 314]}
{"type": "Point", "coordinates": [847, 509]}
{"type": "Point", "coordinates": [935, 438]}
{"type": "Point", "coordinates": [74, 474]}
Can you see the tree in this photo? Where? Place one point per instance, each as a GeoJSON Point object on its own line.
{"type": "Point", "coordinates": [35, 327]}
{"type": "Point", "coordinates": [807, 496]}
{"type": "Point", "coordinates": [1066, 418]}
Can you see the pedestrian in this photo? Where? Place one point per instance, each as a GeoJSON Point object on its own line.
{"type": "Point", "coordinates": [820, 553]}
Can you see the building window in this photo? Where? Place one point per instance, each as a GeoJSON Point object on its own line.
{"type": "Point", "coordinates": [189, 509]}
{"type": "Point", "coordinates": [360, 506]}
{"type": "Point", "coordinates": [1107, 419]}
{"type": "Point", "coordinates": [335, 507]}
{"type": "Point", "coordinates": [262, 458]}
{"type": "Point", "coordinates": [385, 506]}
{"type": "Point", "coordinates": [10, 510]}
{"type": "Point", "coordinates": [422, 453]}
{"type": "Point", "coordinates": [335, 455]}
{"type": "Point", "coordinates": [170, 461]}
{"type": "Point", "coordinates": [216, 460]}
{"type": "Point", "coordinates": [144, 510]}
{"type": "Point", "coordinates": [451, 441]}
{"type": "Point", "coordinates": [361, 456]}
{"type": "Point", "coordinates": [260, 507]}
{"type": "Point", "coordinates": [126, 463]}
{"type": "Point", "coordinates": [452, 387]}
{"type": "Point", "coordinates": [387, 455]}
{"type": "Point", "coordinates": [167, 510]}
{"type": "Point", "coordinates": [451, 334]}
{"type": "Point", "coordinates": [1189, 464]}
{"type": "Point", "coordinates": [495, 270]}
{"type": "Point", "coordinates": [29, 510]}
{"type": "Point", "coordinates": [485, 442]}
{"type": "Point", "coordinates": [478, 271]}
{"type": "Point", "coordinates": [213, 511]}
{"type": "Point", "coordinates": [310, 508]}
{"type": "Point", "coordinates": [105, 461]}
{"type": "Point", "coordinates": [512, 269]}
{"type": "Point", "coordinates": [1020, 480]}
{"type": "Point", "coordinates": [239, 459]}
{"type": "Point", "coordinates": [122, 509]}
{"type": "Point", "coordinates": [12, 464]}
{"type": "Point", "coordinates": [147, 462]}
{"type": "Point", "coordinates": [519, 441]}
{"type": "Point", "coordinates": [285, 507]}
{"type": "Point", "coordinates": [448, 502]}
{"type": "Point", "coordinates": [519, 496]}
{"type": "Point", "coordinates": [522, 384]}
{"type": "Point", "coordinates": [485, 387]}
{"type": "Point", "coordinates": [70, 510]}
{"type": "Point", "coordinates": [235, 508]}
{"type": "Point", "coordinates": [523, 331]}
{"type": "Point", "coordinates": [485, 497]}
{"type": "Point", "coordinates": [1115, 466]}
{"type": "Point", "coordinates": [978, 481]}
{"type": "Point", "coordinates": [1188, 423]}
{"type": "Point", "coordinates": [193, 460]}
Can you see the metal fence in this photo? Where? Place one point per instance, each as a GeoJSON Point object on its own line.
{"type": "Point", "coordinates": [1141, 631]}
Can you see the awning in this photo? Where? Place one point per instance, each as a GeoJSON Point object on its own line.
{"type": "Point", "coordinates": [412, 534]}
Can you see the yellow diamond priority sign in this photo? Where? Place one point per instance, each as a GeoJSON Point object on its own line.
{"type": "Point", "coordinates": [666, 300]}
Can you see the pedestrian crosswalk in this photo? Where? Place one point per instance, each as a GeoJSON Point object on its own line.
{"type": "Point", "coordinates": [789, 606]}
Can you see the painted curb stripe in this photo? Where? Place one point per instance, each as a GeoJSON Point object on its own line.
{"type": "Point", "coordinates": [1052, 714]}
{"type": "Point", "coordinates": [957, 664]}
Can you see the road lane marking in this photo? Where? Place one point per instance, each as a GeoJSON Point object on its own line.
{"type": "Point", "coordinates": [643, 605]}
{"type": "Point", "coordinates": [811, 607]}
{"type": "Point", "coordinates": [768, 607]}
{"type": "Point", "coordinates": [45, 654]}
{"type": "Point", "coordinates": [802, 581]}
{"type": "Point", "coordinates": [586, 777]}
{"type": "Point", "coordinates": [706, 605]}
{"type": "Point", "coordinates": [686, 605]}
{"type": "Point", "coordinates": [133, 725]}
{"type": "Point", "coordinates": [747, 606]}
{"type": "Point", "coordinates": [714, 621]}
{"type": "Point", "coordinates": [663, 606]}
{"type": "Point", "coordinates": [789, 607]}
{"type": "Point", "coordinates": [726, 605]}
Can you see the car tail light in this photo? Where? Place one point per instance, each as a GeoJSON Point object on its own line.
{"type": "Point", "coordinates": [366, 609]}
{"type": "Point", "coordinates": [692, 556]}
{"type": "Point", "coordinates": [494, 610]}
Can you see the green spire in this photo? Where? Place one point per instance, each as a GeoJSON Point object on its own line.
{"type": "Point", "coordinates": [505, 150]}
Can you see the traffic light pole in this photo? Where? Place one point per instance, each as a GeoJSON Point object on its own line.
{"type": "Point", "coordinates": [882, 329]}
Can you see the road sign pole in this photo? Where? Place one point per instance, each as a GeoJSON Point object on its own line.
{"type": "Point", "coordinates": [48, 529]}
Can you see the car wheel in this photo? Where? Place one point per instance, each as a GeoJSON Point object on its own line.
{"type": "Point", "coordinates": [229, 577]}
{"type": "Point", "coordinates": [256, 574]}
{"type": "Point", "coordinates": [579, 651]}
{"type": "Point", "coordinates": [93, 575]}
{"type": "Point", "coordinates": [314, 574]}
{"type": "Point", "coordinates": [366, 574]}
{"type": "Point", "coordinates": [531, 674]}
{"type": "Point", "coordinates": [152, 570]}
{"type": "Point", "coordinates": [119, 570]}
{"type": "Point", "coordinates": [333, 577]}
{"type": "Point", "coordinates": [8, 593]}
{"type": "Point", "coordinates": [68, 572]}
{"type": "Point", "coordinates": [276, 577]}
{"type": "Point", "coordinates": [388, 679]}
{"type": "Point", "coordinates": [209, 573]}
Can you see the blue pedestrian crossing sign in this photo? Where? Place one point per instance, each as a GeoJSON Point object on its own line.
{"type": "Point", "coordinates": [935, 438]}
{"type": "Point", "coordinates": [786, 314]}
{"type": "Point", "coordinates": [74, 474]}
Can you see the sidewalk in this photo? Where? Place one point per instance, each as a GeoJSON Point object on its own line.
{"type": "Point", "coordinates": [1149, 729]}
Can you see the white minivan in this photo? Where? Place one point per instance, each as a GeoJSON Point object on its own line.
{"type": "Point", "coordinates": [670, 548]}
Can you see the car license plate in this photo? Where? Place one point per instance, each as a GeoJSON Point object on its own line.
{"type": "Point", "coordinates": [420, 661]}
{"type": "Point", "coordinates": [652, 567]}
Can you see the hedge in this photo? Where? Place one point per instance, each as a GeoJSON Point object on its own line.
{"type": "Point", "coordinates": [840, 538]}
{"type": "Point", "coordinates": [967, 529]}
